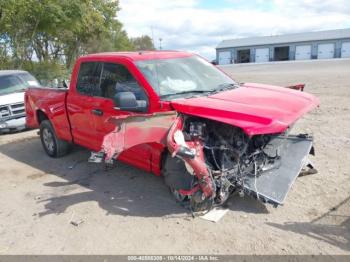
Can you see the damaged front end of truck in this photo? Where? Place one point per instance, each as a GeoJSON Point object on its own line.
{"type": "Point", "coordinates": [206, 161]}
{"type": "Point", "coordinates": [222, 159]}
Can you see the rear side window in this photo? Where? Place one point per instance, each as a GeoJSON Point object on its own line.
{"type": "Point", "coordinates": [89, 78]}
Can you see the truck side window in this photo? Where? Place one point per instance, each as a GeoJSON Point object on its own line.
{"type": "Point", "coordinates": [89, 78]}
{"type": "Point", "coordinates": [117, 78]}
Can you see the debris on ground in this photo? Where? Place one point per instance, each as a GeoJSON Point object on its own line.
{"type": "Point", "coordinates": [75, 164]}
{"type": "Point", "coordinates": [77, 222]}
{"type": "Point", "coordinates": [215, 214]}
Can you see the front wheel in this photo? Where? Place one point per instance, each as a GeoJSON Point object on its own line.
{"type": "Point", "coordinates": [178, 196]}
{"type": "Point", "coordinates": [52, 145]}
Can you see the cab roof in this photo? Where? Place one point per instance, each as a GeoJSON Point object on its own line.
{"type": "Point", "coordinates": [142, 55]}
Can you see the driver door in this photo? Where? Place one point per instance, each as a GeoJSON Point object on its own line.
{"type": "Point", "coordinates": [116, 78]}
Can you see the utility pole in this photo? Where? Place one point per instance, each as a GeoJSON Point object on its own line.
{"type": "Point", "coordinates": [160, 43]}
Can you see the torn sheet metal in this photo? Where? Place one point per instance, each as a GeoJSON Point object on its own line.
{"type": "Point", "coordinates": [164, 128]}
{"type": "Point", "coordinates": [195, 161]}
{"type": "Point", "coordinates": [132, 130]}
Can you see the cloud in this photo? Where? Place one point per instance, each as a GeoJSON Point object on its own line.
{"type": "Point", "coordinates": [315, 6]}
{"type": "Point", "coordinates": [191, 25]}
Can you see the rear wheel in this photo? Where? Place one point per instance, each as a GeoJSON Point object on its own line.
{"type": "Point", "coordinates": [52, 145]}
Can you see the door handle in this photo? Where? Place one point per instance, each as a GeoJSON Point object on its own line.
{"type": "Point", "coordinates": [97, 112]}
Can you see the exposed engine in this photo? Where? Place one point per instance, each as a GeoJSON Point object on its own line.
{"type": "Point", "coordinates": [231, 158]}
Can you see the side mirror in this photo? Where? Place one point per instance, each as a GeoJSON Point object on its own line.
{"type": "Point", "coordinates": [126, 101]}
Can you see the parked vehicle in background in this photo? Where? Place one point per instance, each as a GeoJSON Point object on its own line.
{"type": "Point", "coordinates": [175, 114]}
{"type": "Point", "coordinates": [13, 84]}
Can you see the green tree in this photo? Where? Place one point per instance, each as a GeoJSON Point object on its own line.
{"type": "Point", "coordinates": [46, 36]}
{"type": "Point", "coordinates": [143, 43]}
{"type": "Point", "coordinates": [58, 31]}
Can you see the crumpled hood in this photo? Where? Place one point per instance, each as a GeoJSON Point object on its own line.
{"type": "Point", "coordinates": [256, 108]}
{"type": "Point", "coordinates": [12, 98]}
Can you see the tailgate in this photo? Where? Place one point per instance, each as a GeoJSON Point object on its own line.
{"type": "Point", "coordinates": [272, 186]}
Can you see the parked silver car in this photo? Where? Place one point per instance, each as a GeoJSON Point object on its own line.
{"type": "Point", "coordinates": [13, 83]}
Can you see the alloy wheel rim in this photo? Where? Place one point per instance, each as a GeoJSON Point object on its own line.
{"type": "Point", "coordinates": [48, 140]}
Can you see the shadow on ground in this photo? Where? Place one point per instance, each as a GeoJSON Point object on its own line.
{"type": "Point", "coordinates": [332, 227]}
{"type": "Point", "coordinates": [70, 180]}
{"type": "Point", "coordinates": [123, 190]}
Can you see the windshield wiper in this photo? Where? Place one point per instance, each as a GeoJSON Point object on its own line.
{"type": "Point", "coordinates": [225, 86]}
{"type": "Point", "coordinates": [221, 87]}
{"type": "Point", "coordinates": [187, 92]}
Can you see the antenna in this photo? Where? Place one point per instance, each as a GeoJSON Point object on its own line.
{"type": "Point", "coordinates": [160, 43]}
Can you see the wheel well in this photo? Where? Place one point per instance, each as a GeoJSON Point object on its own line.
{"type": "Point", "coordinates": [41, 116]}
{"type": "Point", "coordinates": [163, 156]}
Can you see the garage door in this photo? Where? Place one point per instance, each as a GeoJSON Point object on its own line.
{"type": "Point", "coordinates": [325, 51]}
{"type": "Point", "coordinates": [262, 55]}
{"type": "Point", "coordinates": [345, 50]}
{"type": "Point", "coordinates": [303, 52]}
{"type": "Point", "coordinates": [224, 58]}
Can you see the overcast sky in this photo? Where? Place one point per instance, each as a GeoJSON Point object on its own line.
{"type": "Point", "coordinates": [199, 25]}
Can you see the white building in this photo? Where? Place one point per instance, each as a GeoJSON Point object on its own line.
{"type": "Point", "coordinates": [300, 46]}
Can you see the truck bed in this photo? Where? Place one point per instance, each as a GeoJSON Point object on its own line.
{"type": "Point", "coordinates": [51, 102]}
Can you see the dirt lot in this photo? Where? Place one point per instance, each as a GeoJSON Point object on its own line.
{"type": "Point", "coordinates": [127, 211]}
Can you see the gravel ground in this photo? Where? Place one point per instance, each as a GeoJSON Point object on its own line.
{"type": "Point", "coordinates": [128, 211]}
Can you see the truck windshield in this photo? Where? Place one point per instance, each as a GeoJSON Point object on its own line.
{"type": "Point", "coordinates": [180, 77]}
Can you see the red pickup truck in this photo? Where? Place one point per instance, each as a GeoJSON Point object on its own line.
{"type": "Point", "coordinates": [175, 114]}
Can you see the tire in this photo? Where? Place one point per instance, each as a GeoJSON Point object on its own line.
{"type": "Point", "coordinates": [53, 146]}
{"type": "Point", "coordinates": [175, 174]}
{"type": "Point", "coordinates": [176, 177]}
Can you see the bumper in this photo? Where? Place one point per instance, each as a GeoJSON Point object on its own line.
{"type": "Point", "coordinates": [13, 125]}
